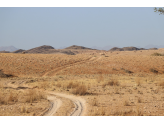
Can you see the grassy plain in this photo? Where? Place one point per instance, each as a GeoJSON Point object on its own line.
{"type": "Point", "coordinates": [112, 83]}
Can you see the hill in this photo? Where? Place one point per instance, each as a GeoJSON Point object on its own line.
{"type": "Point", "coordinates": [8, 48]}
{"type": "Point", "coordinates": [125, 49]}
{"type": "Point", "coordinates": [41, 49]}
{"type": "Point", "coordinates": [78, 47]}
{"type": "Point", "coordinates": [18, 51]}
{"type": "Point", "coordinates": [45, 49]}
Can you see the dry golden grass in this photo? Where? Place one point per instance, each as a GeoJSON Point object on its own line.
{"type": "Point", "coordinates": [94, 102]}
{"type": "Point", "coordinates": [7, 98]}
{"type": "Point", "coordinates": [161, 84]}
{"type": "Point", "coordinates": [94, 76]}
{"type": "Point", "coordinates": [126, 103]}
{"type": "Point", "coordinates": [113, 82]}
{"type": "Point", "coordinates": [100, 78]}
{"type": "Point", "coordinates": [139, 100]}
{"type": "Point", "coordinates": [24, 109]}
{"type": "Point", "coordinates": [32, 95]}
{"type": "Point", "coordinates": [138, 81]}
{"type": "Point", "coordinates": [80, 90]}
{"type": "Point", "coordinates": [72, 85]}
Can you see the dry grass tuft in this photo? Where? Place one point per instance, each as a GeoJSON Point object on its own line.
{"type": "Point", "coordinates": [126, 103]}
{"type": "Point", "coordinates": [72, 85]}
{"type": "Point", "coordinates": [24, 109]}
{"type": "Point", "coordinates": [44, 84]}
{"type": "Point", "coordinates": [138, 112]}
{"type": "Point", "coordinates": [157, 54]}
{"type": "Point", "coordinates": [161, 84]}
{"type": "Point", "coordinates": [100, 78]}
{"type": "Point", "coordinates": [81, 90]}
{"type": "Point", "coordinates": [1, 85]}
{"type": "Point", "coordinates": [139, 100]}
{"type": "Point", "coordinates": [33, 95]}
{"type": "Point", "coordinates": [138, 81]}
{"type": "Point", "coordinates": [94, 102]}
{"type": "Point", "coordinates": [58, 85]}
{"type": "Point", "coordinates": [153, 70]}
{"type": "Point", "coordinates": [7, 98]}
{"type": "Point", "coordinates": [113, 82]}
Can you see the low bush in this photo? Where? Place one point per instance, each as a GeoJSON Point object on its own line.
{"type": "Point", "coordinates": [157, 54]}
{"type": "Point", "coordinates": [81, 90]}
{"type": "Point", "coordinates": [153, 70]}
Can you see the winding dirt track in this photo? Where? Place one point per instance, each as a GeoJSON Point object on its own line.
{"type": "Point", "coordinates": [79, 103]}
{"type": "Point", "coordinates": [56, 70]}
{"type": "Point", "coordinates": [55, 103]}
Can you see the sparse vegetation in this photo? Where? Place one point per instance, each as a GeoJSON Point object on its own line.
{"type": "Point", "coordinates": [81, 90]}
{"type": "Point", "coordinates": [128, 71]}
{"type": "Point", "coordinates": [126, 103]}
{"type": "Point", "coordinates": [157, 54]}
{"type": "Point", "coordinates": [33, 95]}
{"type": "Point", "coordinates": [113, 82]}
{"type": "Point", "coordinates": [153, 70]}
{"type": "Point", "coordinates": [97, 79]}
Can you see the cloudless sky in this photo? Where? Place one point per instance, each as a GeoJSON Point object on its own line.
{"type": "Point", "coordinates": [27, 28]}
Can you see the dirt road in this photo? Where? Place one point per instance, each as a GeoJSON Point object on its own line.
{"type": "Point", "coordinates": [80, 106]}
{"type": "Point", "coordinates": [55, 103]}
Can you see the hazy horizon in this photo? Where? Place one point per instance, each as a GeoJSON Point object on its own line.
{"type": "Point", "coordinates": [27, 28]}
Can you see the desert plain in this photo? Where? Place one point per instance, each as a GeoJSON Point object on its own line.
{"type": "Point", "coordinates": [89, 83]}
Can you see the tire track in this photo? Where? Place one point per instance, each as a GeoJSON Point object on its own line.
{"type": "Point", "coordinates": [55, 71]}
{"type": "Point", "coordinates": [54, 106]}
{"type": "Point", "coordinates": [80, 105]}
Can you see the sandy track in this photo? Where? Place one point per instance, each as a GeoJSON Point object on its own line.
{"type": "Point", "coordinates": [54, 105]}
{"type": "Point", "coordinates": [79, 103]}
{"type": "Point", "coordinates": [54, 71]}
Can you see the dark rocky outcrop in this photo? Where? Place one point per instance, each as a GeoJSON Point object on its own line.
{"type": "Point", "coordinates": [129, 48]}
{"type": "Point", "coordinates": [41, 49]}
{"type": "Point", "coordinates": [153, 48]}
{"type": "Point", "coordinates": [18, 51]}
{"type": "Point", "coordinates": [125, 49]}
{"type": "Point", "coordinates": [78, 47]}
{"type": "Point", "coordinates": [116, 49]}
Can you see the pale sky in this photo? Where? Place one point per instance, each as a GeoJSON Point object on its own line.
{"type": "Point", "coordinates": [26, 28]}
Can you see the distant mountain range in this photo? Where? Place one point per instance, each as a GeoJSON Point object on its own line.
{"type": "Point", "coordinates": [8, 48]}
{"type": "Point", "coordinates": [108, 47]}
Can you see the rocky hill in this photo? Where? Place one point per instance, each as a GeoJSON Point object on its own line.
{"type": "Point", "coordinates": [78, 47]}
{"type": "Point", "coordinates": [41, 49]}
{"type": "Point", "coordinates": [116, 49]}
{"type": "Point", "coordinates": [45, 49]}
{"type": "Point", "coordinates": [153, 48]}
{"type": "Point", "coordinates": [18, 51]}
{"type": "Point", "coordinates": [125, 49]}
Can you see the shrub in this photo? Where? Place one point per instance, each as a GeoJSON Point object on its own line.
{"type": "Point", "coordinates": [139, 100]}
{"type": "Point", "coordinates": [81, 90]}
{"type": "Point", "coordinates": [128, 71]}
{"type": "Point", "coordinates": [153, 70]}
{"type": "Point", "coordinates": [33, 95]}
{"type": "Point", "coordinates": [72, 85]}
{"type": "Point", "coordinates": [113, 82]}
{"type": "Point", "coordinates": [161, 84]}
{"type": "Point", "coordinates": [157, 54]}
{"type": "Point", "coordinates": [126, 103]}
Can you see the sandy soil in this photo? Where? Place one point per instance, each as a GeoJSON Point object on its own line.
{"type": "Point", "coordinates": [128, 83]}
